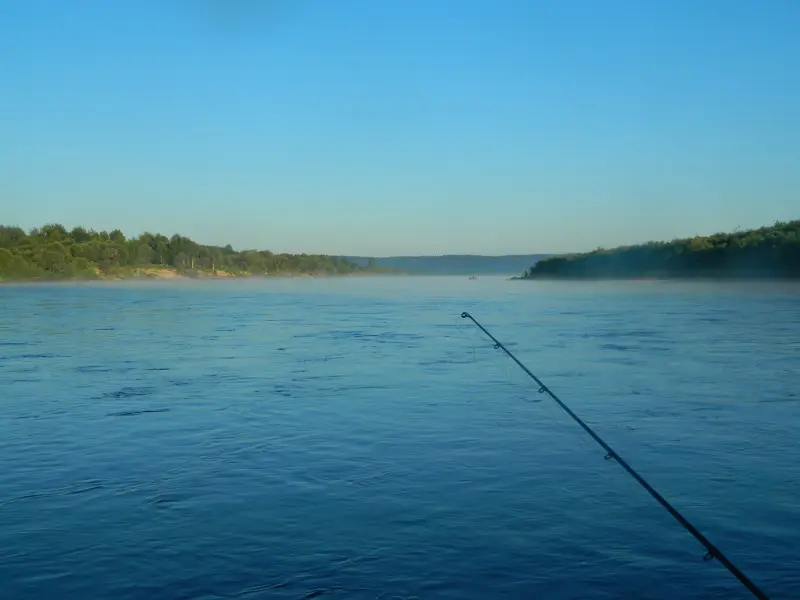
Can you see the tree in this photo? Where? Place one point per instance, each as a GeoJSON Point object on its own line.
{"type": "Point", "coordinates": [11, 236]}
{"type": "Point", "coordinates": [79, 235]}
{"type": "Point", "coordinates": [53, 231]}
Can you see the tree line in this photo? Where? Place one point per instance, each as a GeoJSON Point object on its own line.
{"type": "Point", "coordinates": [767, 252]}
{"type": "Point", "coordinates": [54, 252]}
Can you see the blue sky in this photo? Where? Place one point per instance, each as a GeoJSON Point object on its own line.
{"type": "Point", "coordinates": [401, 126]}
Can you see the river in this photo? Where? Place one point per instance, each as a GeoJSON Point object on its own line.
{"type": "Point", "coordinates": [354, 438]}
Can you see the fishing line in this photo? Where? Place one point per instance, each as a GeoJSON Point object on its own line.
{"type": "Point", "coordinates": [711, 550]}
{"type": "Point", "coordinates": [467, 335]}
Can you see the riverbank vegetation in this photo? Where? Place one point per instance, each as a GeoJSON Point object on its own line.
{"type": "Point", "coordinates": [53, 252]}
{"type": "Point", "coordinates": [767, 252]}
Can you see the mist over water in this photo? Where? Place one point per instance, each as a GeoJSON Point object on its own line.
{"type": "Point", "coordinates": [353, 438]}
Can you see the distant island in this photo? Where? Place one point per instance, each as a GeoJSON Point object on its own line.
{"type": "Point", "coordinates": [767, 252]}
{"type": "Point", "coordinates": [452, 264]}
{"type": "Point", "coordinates": [52, 252]}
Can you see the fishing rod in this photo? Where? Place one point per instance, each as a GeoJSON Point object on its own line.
{"type": "Point", "coordinates": [712, 550]}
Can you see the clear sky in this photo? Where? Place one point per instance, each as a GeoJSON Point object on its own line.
{"type": "Point", "coordinates": [384, 127]}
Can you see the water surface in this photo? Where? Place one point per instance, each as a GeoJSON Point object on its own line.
{"type": "Point", "coordinates": [353, 438]}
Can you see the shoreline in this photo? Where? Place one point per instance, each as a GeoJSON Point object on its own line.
{"type": "Point", "coordinates": [171, 274]}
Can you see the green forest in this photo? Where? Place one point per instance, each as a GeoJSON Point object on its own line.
{"type": "Point", "coordinates": [53, 252]}
{"type": "Point", "coordinates": [767, 252]}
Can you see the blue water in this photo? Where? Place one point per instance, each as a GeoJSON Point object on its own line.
{"type": "Point", "coordinates": [353, 438]}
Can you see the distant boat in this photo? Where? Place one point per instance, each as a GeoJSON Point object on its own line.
{"type": "Point", "coordinates": [473, 277]}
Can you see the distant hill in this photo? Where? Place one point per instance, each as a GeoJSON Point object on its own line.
{"type": "Point", "coordinates": [453, 264]}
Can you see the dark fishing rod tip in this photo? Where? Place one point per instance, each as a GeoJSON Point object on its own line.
{"type": "Point", "coordinates": [713, 551]}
